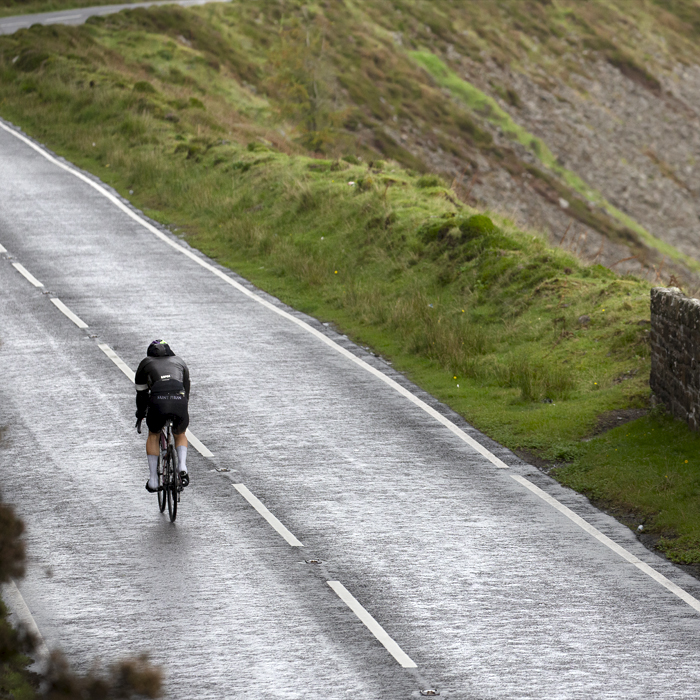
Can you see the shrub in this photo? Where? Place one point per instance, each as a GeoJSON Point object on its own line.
{"type": "Point", "coordinates": [132, 128]}
{"type": "Point", "coordinates": [129, 679]}
{"type": "Point", "coordinates": [12, 553]}
{"type": "Point", "coordinates": [536, 379]}
{"type": "Point", "coordinates": [175, 75]}
{"type": "Point", "coordinates": [477, 226]}
{"type": "Point", "coordinates": [632, 70]}
{"type": "Point", "coordinates": [467, 126]}
{"type": "Point", "coordinates": [145, 87]}
{"type": "Point", "coordinates": [29, 60]}
{"type": "Point", "coordinates": [425, 181]}
{"type": "Point", "coordinates": [435, 230]}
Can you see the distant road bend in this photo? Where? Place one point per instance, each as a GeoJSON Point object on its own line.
{"type": "Point", "coordinates": [79, 15]}
{"type": "Point", "coordinates": [344, 534]}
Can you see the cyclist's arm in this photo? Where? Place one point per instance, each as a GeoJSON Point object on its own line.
{"type": "Point", "coordinates": [186, 380]}
{"type": "Point", "coordinates": [141, 383]}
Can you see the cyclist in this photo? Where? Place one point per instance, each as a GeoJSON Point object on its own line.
{"type": "Point", "coordinates": [162, 392]}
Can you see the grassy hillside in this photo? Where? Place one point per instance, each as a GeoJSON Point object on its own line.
{"type": "Point", "coordinates": [264, 137]}
{"type": "Point", "coordinates": [393, 78]}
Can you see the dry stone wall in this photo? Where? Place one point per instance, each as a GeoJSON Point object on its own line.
{"type": "Point", "coordinates": [675, 348]}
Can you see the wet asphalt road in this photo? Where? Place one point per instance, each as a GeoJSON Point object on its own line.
{"type": "Point", "coordinates": [485, 586]}
{"type": "Point", "coordinates": [9, 25]}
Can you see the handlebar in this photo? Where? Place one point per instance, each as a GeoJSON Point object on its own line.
{"type": "Point", "coordinates": [138, 426]}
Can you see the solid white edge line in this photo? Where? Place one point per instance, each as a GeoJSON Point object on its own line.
{"type": "Point", "coordinates": [604, 539]}
{"type": "Point", "coordinates": [195, 442]}
{"type": "Point", "coordinates": [25, 273]}
{"type": "Point", "coordinates": [15, 601]}
{"type": "Point", "coordinates": [281, 312]}
{"type": "Point", "coordinates": [3, 249]}
{"type": "Point", "coordinates": [65, 310]}
{"type": "Point", "coordinates": [271, 519]}
{"type": "Point", "coordinates": [372, 625]}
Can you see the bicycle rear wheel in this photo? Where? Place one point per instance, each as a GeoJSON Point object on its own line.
{"type": "Point", "coordinates": [172, 484]}
{"type": "Point", "coordinates": [161, 483]}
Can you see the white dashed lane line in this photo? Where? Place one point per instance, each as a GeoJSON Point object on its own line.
{"type": "Point", "coordinates": [27, 275]}
{"type": "Point", "coordinates": [372, 625]}
{"type": "Point", "coordinates": [271, 519]}
{"type": "Point", "coordinates": [193, 439]}
{"type": "Point", "coordinates": [117, 360]}
{"type": "Point", "coordinates": [65, 310]}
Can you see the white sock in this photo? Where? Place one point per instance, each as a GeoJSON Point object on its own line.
{"type": "Point", "coordinates": [182, 457]}
{"type": "Point", "coordinates": [153, 467]}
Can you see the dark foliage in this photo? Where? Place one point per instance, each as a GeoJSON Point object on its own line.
{"type": "Point", "coordinates": [129, 679]}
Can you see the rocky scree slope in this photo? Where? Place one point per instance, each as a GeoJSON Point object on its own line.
{"type": "Point", "coordinates": [612, 88]}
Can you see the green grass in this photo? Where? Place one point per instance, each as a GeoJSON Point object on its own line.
{"type": "Point", "coordinates": [648, 472]}
{"type": "Point", "coordinates": [184, 109]}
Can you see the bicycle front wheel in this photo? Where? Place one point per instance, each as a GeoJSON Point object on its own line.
{"type": "Point", "coordinates": [172, 485]}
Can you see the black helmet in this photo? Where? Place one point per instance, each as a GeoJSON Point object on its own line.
{"type": "Point", "coordinates": [159, 348]}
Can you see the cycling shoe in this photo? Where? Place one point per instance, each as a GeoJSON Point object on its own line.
{"type": "Point", "coordinates": [184, 479]}
{"type": "Point", "coordinates": [150, 490]}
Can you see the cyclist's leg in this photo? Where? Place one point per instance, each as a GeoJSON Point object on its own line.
{"type": "Point", "coordinates": [181, 447]}
{"type": "Point", "coordinates": [152, 444]}
{"type": "Point", "coordinates": [152, 452]}
{"type": "Point", "coordinates": [155, 420]}
{"type": "Point", "coordinates": [181, 420]}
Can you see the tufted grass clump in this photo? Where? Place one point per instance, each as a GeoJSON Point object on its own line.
{"type": "Point", "coordinates": [477, 226]}
{"type": "Point", "coordinates": [538, 380]}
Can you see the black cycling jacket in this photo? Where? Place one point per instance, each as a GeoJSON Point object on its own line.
{"type": "Point", "coordinates": [164, 374]}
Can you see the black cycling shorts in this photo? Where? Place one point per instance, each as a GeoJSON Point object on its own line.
{"type": "Point", "coordinates": [164, 406]}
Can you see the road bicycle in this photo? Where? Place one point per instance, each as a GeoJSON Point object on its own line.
{"type": "Point", "coordinates": [168, 472]}
{"type": "Point", "coordinates": [169, 483]}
